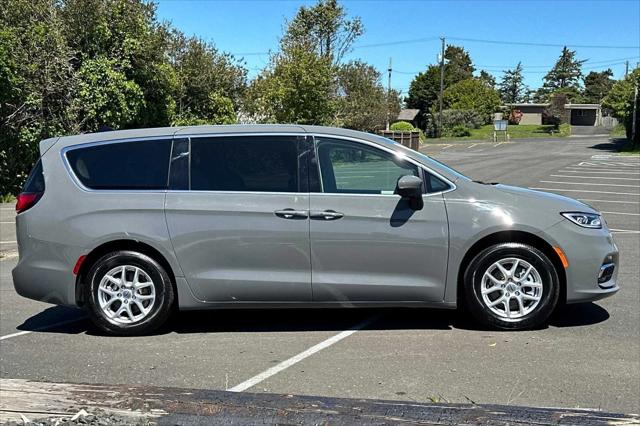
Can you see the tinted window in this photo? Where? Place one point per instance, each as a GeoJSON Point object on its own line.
{"type": "Point", "coordinates": [35, 181]}
{"type": "Point", "coordinates": [179, 167]}
{"type": "Point", "coordinates": [434, 184]}
{"type": "Point", "coordinates": [127, 165]}
{"type": "Point", "coordinates": [349, 167]}
{"type": "Point", "coordinates": [244, 163]}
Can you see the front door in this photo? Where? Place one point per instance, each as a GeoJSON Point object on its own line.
{"type": "Point", "coordinates": [238, 218]}
{"type": "Point", "coordinates": [367, 244]}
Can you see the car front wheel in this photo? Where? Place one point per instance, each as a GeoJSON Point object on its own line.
{"type": "Point", "coordinates": [130, 293]}
{"type": "Point", "coordinates": [511, 286]}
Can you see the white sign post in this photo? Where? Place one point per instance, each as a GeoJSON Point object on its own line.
{"type": "Point", "coordinates": [500, 126]}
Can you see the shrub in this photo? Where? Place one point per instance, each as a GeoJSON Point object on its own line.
{"type": "Point", "coordinates": [458, 131]}
{"type": "Point", "coordinates": [454, 117]}
{"type": "Point", "coordinates": [402, 126]}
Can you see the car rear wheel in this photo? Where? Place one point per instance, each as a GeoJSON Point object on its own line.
{"type": "Point", "coordinates": [130, 293]}
{"type": "Point", "coordinates": [511, 286]}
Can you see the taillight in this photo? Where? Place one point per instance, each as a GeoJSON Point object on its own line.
{"type": "Point", "coordinates": [26, 200]}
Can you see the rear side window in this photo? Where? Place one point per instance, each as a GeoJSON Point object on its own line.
{"type": "Point", "coordinates": [245, 163]}
{"type": "Point", "coordinates": [35, 181]}
{"type": "Point", "coordinates": [125, 165]}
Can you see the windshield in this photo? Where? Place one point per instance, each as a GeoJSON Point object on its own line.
{"type": "Point", "coordinates": [426, 159]}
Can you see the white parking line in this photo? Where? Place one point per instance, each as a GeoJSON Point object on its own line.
{"type": "Point", "coordinates": [595, 177]}
{"type": "Point", "coordinates": [581, 170]}
{"type": "Point", "coordinates": [625, 214]}
{"type": "Point", "coordinates": [8, 222]}
{"type": "Point", "coordinates": [625, 231]}
{"type": "Point", "coordinates": [447, 147]}
{"type": "Point", "coordinates": [585, 191]}
{"type": "Point", "coordinates": [302, 355]}
{"type": "Point", "coordinates": [609, 201]}
{"type": "Point", "coordinates": [43, 328]}
{"type": "Point", "coordinates": [590, 184]}
{"type": "Point", "coordinates": [472, 145]}
{"type": "Point", "coordinates": [7, 242]}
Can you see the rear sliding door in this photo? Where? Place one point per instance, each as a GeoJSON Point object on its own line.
{"type": "Point", "coordinates": [237, 212]}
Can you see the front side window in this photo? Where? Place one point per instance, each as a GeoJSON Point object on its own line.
{"type": "Point", "coordinates": [354, 168]}
{"type": "Point", "coordinates": [138, 165]}
{"type": "Point", "coordinates": [245, 163]}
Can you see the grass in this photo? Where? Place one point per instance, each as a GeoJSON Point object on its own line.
{"type": "Point", "coordinates": [520, 131]}
{"type": "Point", "coordinates": [7, 198]}
{"type": "Point", "coordinates": [619, 130]}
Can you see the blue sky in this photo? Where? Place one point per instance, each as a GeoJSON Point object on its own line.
{"type": "Point", "coordinates": [254, 26]}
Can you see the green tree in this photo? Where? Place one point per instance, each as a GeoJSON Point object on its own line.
{"type": "Point", "coordinates": [104, 95]}
{"type": "Point", "coordinates": [487, 78]}
{"type": "Point", "coordinates": [362, 101]}
{"type": "Point", "coordinates": [36, 82]}
{"type": "Point", "coordinates": [564, 77]}
{"type": "Point", "coordinates": [325, 28]}
{"type": "Point", "coordinates": [472, 94]}
{"type": "Point", "coordinates": [209, 85]}
{"type": "Point", "coordinates": [296, 88]}
{"type": "Point", "coordinates": [424, 90]}
{"type": "Point", "coordinates": [512, 88]}
{"type": "Point", "coordinates": [620, 101]}
{"type": "Point", "coordinates": [597, 85]}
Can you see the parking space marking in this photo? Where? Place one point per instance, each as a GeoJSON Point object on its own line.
{"type": "Point", "coordinates": [7, 242]}
{"type": "Point", "coordinates": [595, 177]}
{"type": "Point", "coordinates": [625, 214]}
{"type": "Point", "coordinates": [43, 328]}
{"type": "Point", "coordinates": [8, 222]}
{"type": "Point", "coordinates": [299, 357]}
{"type": "Point", "coordinates": [625, 231]}
{"type": "Point", "coordinates": [609, 201]}
{"type": "Point", "coordinates": [447, 147]}
{"type": "Point", "coordinates": [590, 184]}
{"type": "Point", "coordinates": [584, 190]}
{"type": "Point", "coordinates": [607, 171]}
{"type": "Point", "coordinates": [472, 145]}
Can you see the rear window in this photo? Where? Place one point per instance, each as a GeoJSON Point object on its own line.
{"type": "Point", "coordinates": [125, 165]}
{"type": "Point", "coordinates": [245, 163]}
{"type": "Point", "coordinates": [35, 181]}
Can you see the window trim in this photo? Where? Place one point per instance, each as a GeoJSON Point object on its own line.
{"type": "Point", "coordinates": [76, 180]}
{"type": "Point", "coordinates": [310, 135]}
{"type": "Point", "coordinates": [421, 167]}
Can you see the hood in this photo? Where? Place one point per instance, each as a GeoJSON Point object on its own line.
{"type": "Point", "coordinates": [546, 199]}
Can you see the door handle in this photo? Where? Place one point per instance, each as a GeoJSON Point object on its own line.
{"type": "Point", "coordinates": [326, 215]}
{"type": "Point", "coordinates": [291, 214]}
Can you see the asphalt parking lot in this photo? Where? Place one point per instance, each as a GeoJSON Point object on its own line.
{"type": "Point", "coordinates": [588, 357]}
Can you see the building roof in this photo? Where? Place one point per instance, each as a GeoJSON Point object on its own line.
{"type": "Point", "coordinates": [408, 114]}
{"type": "Point", "coordinates": [582, 106]}
{"type": "Point", "coordinates": [528, 105]}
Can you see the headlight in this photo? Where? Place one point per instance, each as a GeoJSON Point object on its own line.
{"type": "Point", "coordinates": [586, 220]}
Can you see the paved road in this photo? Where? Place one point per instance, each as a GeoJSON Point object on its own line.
{"type": "Point", "coordinates": [588, 357]}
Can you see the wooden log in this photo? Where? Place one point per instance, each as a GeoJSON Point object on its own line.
{"type": "Point", "coordinates": [166, 405]}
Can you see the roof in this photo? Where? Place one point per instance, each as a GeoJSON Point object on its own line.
{"type": "Point", "coordinates": [407, 114]}
{"type": "Point", "coordinates": [170, 132]}
{"type": "Point", "coordinates": [529, 105]}
{"type": "Point", "coordinates": [582, 106]}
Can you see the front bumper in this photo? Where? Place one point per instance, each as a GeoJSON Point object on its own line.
{"type": "Point", "coordinates": [591, 253]}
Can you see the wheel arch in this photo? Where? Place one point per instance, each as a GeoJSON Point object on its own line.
{"type": "Point", "coordinates": [117, 245]}
{"type": "Point", "coordinates": [513, 236]}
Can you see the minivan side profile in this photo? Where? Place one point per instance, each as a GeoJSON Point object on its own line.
{"type": "Point", "coordinates": [132, 224]}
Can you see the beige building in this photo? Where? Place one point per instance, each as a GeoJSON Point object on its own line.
{"type": "Point", "coordinates": [531, 113]}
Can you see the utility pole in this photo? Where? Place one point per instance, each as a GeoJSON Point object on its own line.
{"type": "Point", "coordinates": [634, 126]}
{"type": "Point", "coordinates": [626, 69]}
{"type": "Point", "coordinates": [441, 87]}
{"type": "Point", "coordinates": [389, 94]}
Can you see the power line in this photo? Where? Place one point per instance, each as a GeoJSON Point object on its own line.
{"type": "Point", "coordinates": [527, 43]}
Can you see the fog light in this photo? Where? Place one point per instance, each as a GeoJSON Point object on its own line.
{"type": "Point", "coordinates": [606, 272]}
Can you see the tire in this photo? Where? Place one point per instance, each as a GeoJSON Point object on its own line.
{"type": "Point", "coordinates": [529, 296]}
{"type": "Point", "coordinates": [145, 305]}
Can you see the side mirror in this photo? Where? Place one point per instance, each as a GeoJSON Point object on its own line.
{"type": "Point", "coordinates": [411, 187]}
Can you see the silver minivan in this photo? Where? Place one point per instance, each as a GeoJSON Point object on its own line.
{"type": "Point", "coordinates": [133, 224]}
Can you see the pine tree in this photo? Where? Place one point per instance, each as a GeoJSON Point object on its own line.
{"type": "Point", "coordinates": [565, 76]}
{"type": "Point", "coordinates": [512, 89]}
